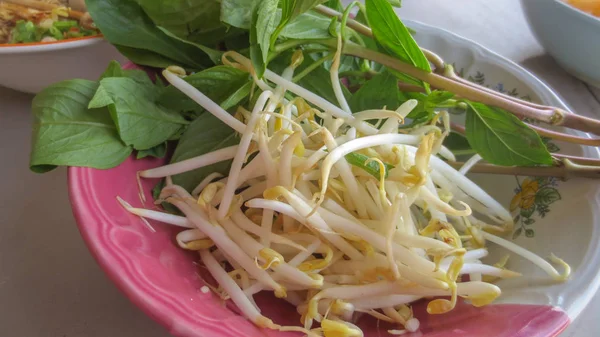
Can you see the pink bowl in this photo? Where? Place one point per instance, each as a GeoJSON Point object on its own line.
{"type": "Point", "coordinates": [165, 281]}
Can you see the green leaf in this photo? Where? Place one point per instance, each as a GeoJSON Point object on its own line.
{"type": "Point", "coordinates": [547, 196]}
{"type": "Point", "coordinates": [309, 25]}
{"type": "Point", "coordinates": [319, 82]}
{"type": "Point", "coordinates": [141, 123]}
{"type": "Point", "coordinates": [359, 160]}
{"type": "Point", "coordinates": [238, 13]}
{"type": "Point", "coordinates": [214, 55]}
{"type": "Point", "coordinates": [293, 8]}
{"type": "Point", "coordinates": [217, 83]}
{"type": "Point", "coordinates": [115, 69]}
{"type": "Point", "coordinates": [237, 96]}
{"type": "Point", "coordinates": [335, 4]}
{"type": "Point", "coordinates": [382, 90]}
{"type": "Point", "coordinates": [529, 221]}
{"type": "Point", "coordinates": [458, 144]}
{"type": "Point", "coordinates": [392, 34]}
{"type": "Point", "coordinates": [145, 57]}
{"type": "Point", "coordinates": [394, 38]}
{"type": "Point", "coordinates": [189, 20]}
{"type": "Point", "coordinates": [159, 151]}
{"type": "Point", "coordinates": [256, 55]}
{"type": "Point", "coordinates": [124, 23]}
{"type": "Point", "coordinates": [425, 109]}
{"type": "Point", "coordinates": [502, 139]}
{"type": "Point", "coordinates": [266, 23]}
{"type": "Point", "coordinates": [205, 134]}
{"type": "Point", "coordinates": [67, 133]}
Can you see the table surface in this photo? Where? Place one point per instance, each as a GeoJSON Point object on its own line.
{"type": "Point", "coordinates": [49, 284]}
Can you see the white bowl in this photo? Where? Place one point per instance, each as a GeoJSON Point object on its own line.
{"type": "Point", "coordinates": [32, 67]}
{"type": "Point", "coordinates": [570, 35]}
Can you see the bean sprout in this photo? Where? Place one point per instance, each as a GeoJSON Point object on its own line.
{"type": "Point", "coordinates": [331, 236]}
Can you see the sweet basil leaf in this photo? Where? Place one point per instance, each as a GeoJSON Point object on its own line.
{"type": "Point", "coordinates": [214, 55]}
{"type": "Point", "coordinates": [266, 22]}
{"type": "Point", "coordinates": [123, 22]}
{"type": "Point", "coordinates": [309, 25]}
{"type": "Point", "coordinates": [360, 160]}
{"type": "Point", "coordinates": [458, 144]}
{"type": "Point", "coordinates": [319, 82]}
{"type": "Point", "coordinates": [159, 151]}
{"type": "Point", "coordinates": [237, 96]}
{"type": "Point", "coordinates": [67, 133]}
{"type": "Point", "coordinates": [427, 102]}
{"type": "Point", "coordinates": [394, 38]}
{"type": "Point", "coordinates": [190, 20]}
{"type": "Point", "coordinates": [140, 122]}
{"type": "Point", "coordinates": [438, 97]}
{"type": "Point", "coordinates": [256, 55]}
{"type": "Point", "coordinates": [392, 34]}
{"type": "Point", "coordinates": [382, 90]}
{"type": "Point", "coordinates": [115, 69]}
{"type": "Point", "coordinates": [334, 4]}
{"type": "Point", "coordinates": [205, 134]}
{"type": "Point", "coordinates": [238, 13]}
{"type": "Point", "coordinates": [502, 139]}
{"type": "Point", "coordinates": [217, 83]}
{"type": "Point", "coordinates": [293, 8]}
{"type": "Point", "coordinates": [146, 57]}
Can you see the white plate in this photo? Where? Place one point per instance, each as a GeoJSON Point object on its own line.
{"type": "Point", "coordinates": [567, 226]}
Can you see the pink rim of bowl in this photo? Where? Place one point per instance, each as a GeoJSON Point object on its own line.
{"type": "Point", "coordinates": [165, 283]}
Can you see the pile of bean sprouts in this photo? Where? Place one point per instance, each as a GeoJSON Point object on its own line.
{"type": "Point", "coordinates": [298, 216]}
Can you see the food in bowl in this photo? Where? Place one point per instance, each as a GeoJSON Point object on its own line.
{"type": "Point", "coordinates": [337, 200]}
{"type": "Point", "coordinates": [24, 24]}
{"type": "Point", "coordinates": [590, 6]}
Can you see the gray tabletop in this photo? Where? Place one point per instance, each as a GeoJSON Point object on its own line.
{"type": "Point", "coordinates": [51, 287]}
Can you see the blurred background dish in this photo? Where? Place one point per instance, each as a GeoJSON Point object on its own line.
{"type": "Point", "coordinates": [570, 32]}
{"type": "Point", "coordinates": [30, 68]}
{"type": "Point", "coordinates": [42, 42]}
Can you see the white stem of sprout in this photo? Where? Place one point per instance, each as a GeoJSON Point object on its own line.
{"type": "Point", "coordinates": [207, 180]}
{"type": "Point", "coordinates": [315, 222]}
{"type": "Point", "coordinates": [240, 156]}
{"type": "Point", "coordinates": [467, 186]}
{"type": "Point", "coordinates": [376, 302]}
{"type": "Point", "coordinates": [233, 290]}
{"type": "Point", "coordinates": [309, 96]}
{"type": "Point", "coordinates": [222, 240]}
{"type": "Point", "coordinates": [359, 144]}
{"type": "Point", "coordinates": [469, 164]}
{"type": "Point", "coordinates": [533, 258]}
{"type": "Point", "coordinates": [189, 235]}
{"type": "Point", "coordinates": [294, 262]}
{"type": "Point", "coordinates": [204, 160]}
{"type": "Point", "coordinates": [167, 218]}
{"type": "Point", "coordinates": [253, 248]}
{"type": "Point", "coordinates": [335, 79]}
{"type": "Point", "coordinates": [249, 226]}
{"type": "Point", "coordinates": [204, 101]}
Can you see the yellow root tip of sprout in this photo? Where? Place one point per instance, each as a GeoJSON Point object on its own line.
{"type": "Point", "coordinates": [337, 329]}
